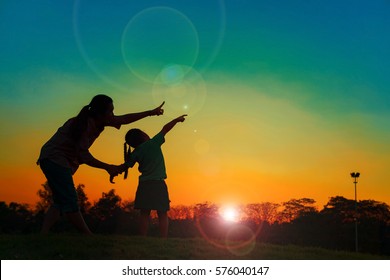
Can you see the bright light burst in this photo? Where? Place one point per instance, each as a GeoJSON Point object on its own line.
{"type": "Point", "coordinates": [230, 214]}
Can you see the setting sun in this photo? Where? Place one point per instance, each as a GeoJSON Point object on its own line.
{"type": "Point", "coordinates": [230, 214]}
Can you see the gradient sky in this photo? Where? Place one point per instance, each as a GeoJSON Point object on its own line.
{"type": "Point", "coordinates": [284, 98]}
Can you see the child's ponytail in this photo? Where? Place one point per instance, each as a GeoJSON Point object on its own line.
{"type": "Point", "coordinates": [126, 154]}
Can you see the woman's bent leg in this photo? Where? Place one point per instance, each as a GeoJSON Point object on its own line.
{"type": "Point", "coordinates": [78, 221]}
{"type": "Point", "coordinates": [51, 217]}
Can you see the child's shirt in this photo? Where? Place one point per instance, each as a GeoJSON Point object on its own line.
{"type": "Point", "coordinates": [150, 159]}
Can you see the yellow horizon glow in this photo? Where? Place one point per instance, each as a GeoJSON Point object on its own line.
{"type": "Point", "coordinates": [233, 151]}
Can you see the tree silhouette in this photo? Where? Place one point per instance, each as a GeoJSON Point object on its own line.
{"type": "Point", "coordinates": [108, 215]}
{"type": "Point", "coordinates": [295, 208]}
{"type": "Point", "coordinates": [106, 206]}
{"type": "Point", "coordinates": [296, 221]}
{"type": "Point", "coordinates": [261, 212]}
{"type": "Point", "coordinates": [207, 220]}
{"type": "Point", "coordinates": [84, 203]}
{"type": "Point", "coordinates": [181, 212]}
{"type": "Point", "coordinates": [374, 210]}
{"type": "Point", "coordinates": [45, 198]}
{"type": "Point", "coordinates": [340, 209]}
{"type": "Point", "coordinates": [205, 210]}
{"type": "Point", "coordinates": [15, 217]}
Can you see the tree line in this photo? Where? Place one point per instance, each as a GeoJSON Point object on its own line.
{"type": "Point", "coordinates": [297, 221]}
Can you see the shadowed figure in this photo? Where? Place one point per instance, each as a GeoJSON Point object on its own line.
{"type": "Point", "coordinates": [61, 156]}
{"type": "Point", "coordinates": [152, 192]}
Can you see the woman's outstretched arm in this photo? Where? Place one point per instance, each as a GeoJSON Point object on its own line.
{"type": "Point", "coordinates": [117, 121]}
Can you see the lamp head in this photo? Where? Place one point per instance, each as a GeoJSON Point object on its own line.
{"type": "Point", "coordinates": [355, 174]}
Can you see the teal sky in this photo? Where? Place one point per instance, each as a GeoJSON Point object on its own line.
{"type": "Point", "coordinates": [321, 68]}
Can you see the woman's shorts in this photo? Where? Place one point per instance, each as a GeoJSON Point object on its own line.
{"type": "Point", "coordinates": [61, 184]}
{"type": "Point", "coordinates": [152, 195]}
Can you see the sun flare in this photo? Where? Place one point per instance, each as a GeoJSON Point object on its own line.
{"type": "Point", "coordinates": [230, 214]}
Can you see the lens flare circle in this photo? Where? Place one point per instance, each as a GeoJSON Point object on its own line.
{"type": "Point", "coordinates": [239, 239]}
{"type": "Point", "coordinates": [182, 88]}
{"type": "Point", "coordinates": [157, 37]}
{"type": "Point", "coordinates": [172, 75]}
{"type": "Point", "coordinates": [107, 60]}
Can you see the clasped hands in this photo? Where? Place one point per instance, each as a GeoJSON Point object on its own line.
{"type": "Point", "coordinates": [115, 170]}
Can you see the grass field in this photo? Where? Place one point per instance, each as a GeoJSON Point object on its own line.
{"type": "Point", "coordinates": [120, 247]}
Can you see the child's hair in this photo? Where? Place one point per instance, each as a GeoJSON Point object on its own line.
{"type": "Point", "coordinates": [97, 107]}
{"type": "Point", "coordinates": [133, 138]}
{"type": "Point", "coordinates": [126, 155]}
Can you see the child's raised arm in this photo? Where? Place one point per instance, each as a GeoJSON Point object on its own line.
{"type": "Point", "coordinates": [172, 123]}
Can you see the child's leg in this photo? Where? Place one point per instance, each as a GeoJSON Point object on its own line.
{"type": "Point", "coordinates": [51, 217]}
{"type": "Point", "coordinates": [163, 223]}
{"type": "Point", "coordinates": [144, 222]}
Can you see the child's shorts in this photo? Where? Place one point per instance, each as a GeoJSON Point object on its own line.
{"type": "Point", "coordinates": [152, 195]}
{"type": "Point", "coordinates": [61, 184]}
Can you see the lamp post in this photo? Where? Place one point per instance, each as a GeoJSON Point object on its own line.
{"type": "Point", "coordinates": [355, 175]}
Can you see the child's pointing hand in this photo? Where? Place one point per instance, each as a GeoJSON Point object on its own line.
{"type": "Point", "coordinates": [181, 118]}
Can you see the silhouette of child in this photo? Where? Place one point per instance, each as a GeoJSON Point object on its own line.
{"type": "Point", "coordinates": [152, 192]}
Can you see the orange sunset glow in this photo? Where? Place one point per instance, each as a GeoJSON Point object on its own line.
{"type": "Point", "coordinates": [282, 102]}
{"type": "Point", "coordinates": [236, 151]}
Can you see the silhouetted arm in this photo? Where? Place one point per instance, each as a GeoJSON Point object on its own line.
{"type": "Point", "coordinates": [117, 121]}
{"type": "Point", "coordinates": [171, 124]}
{"type": "Point", "coordinates": [111, 169]}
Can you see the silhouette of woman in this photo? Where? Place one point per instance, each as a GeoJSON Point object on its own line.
{"type": "Point", "coordinates": [61, 156]}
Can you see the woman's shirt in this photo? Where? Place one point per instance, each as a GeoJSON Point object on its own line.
{"type": "Point", "coordinates": [65, 151]}
{"type": "Point", "coordinates": [150, 159]}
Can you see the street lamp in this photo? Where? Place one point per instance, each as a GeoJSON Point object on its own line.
{"type": "Point", "coordinates": [355, 175]}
